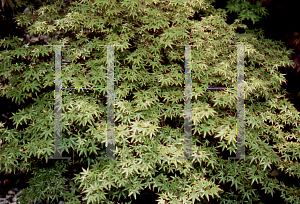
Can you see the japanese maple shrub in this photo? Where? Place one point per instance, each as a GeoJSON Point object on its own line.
{"type": "Point", "coordinates": [149, 105]}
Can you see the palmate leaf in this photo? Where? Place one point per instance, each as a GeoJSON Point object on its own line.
{"type": "Point", "coordinates": [151, 69]}
{"type": "Point", "coordinates": [200, 111]}
{"type": "Point", "coordinates": [223, 132]}
{"type": "Point", "coordinates": [139, 115]}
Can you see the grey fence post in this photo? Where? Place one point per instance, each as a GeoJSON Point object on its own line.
{"type": "Point", "coordinates": [110, 148]}
{"type": "Point", "coordinates": [240, 105]}
{"type": "Point", "coordinates": [58, 106]}
{"type": "Point", "coordinates": [187, 104]}
{"type": "Point", "coordinates": [110, 135]}
{"type": "Point", "coordinates": [240, 140]}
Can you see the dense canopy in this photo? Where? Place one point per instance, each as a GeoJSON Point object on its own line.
{"type": "Point", "coordinates": [149, 104]}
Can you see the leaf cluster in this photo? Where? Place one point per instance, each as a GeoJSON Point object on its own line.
{"type": "Point", "coordinates": [149, 104]}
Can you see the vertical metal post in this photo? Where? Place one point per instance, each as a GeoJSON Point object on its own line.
{"type": "Point", "coordinates": [110, 134]}
{"type": "Point", "coordinates": [110, 147]}
{"type": "Point", "coordinates": [240, 140]}
{"type": "Point", "coordinates": [187, 104]}
{"type": "Point", "coordinates": [58, 107]}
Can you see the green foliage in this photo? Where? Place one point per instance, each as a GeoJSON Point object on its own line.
{"type": "Point", "coordinates": [149, 85]}
{"type": "Point", "coordinates": [48, 184]}
{"type": "Point", "coordinates": [248, 10]}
